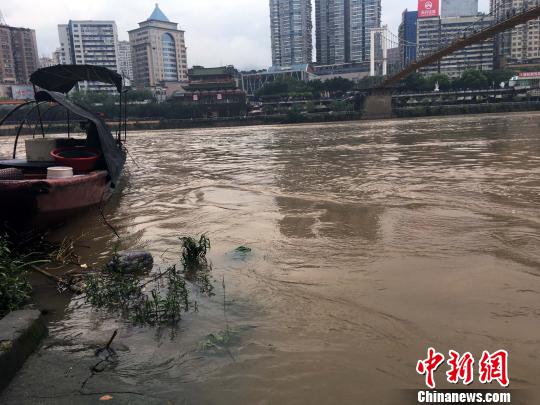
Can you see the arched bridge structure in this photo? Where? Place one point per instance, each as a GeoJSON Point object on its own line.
{"type": "Point", "coordinates": [517, 17]}
{"type": "Point", "coordinates": [379, 103]}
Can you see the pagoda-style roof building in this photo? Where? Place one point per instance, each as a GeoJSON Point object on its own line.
{"type": "Point", "coordinates": [216, 78]}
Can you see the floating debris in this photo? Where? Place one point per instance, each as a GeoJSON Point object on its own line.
{"type": "Point", "coordinates": [131, 262]}
{"type": "Point", "coordinates": [242, 253]}
{"type": "Point", "coordinates": [221, 342]}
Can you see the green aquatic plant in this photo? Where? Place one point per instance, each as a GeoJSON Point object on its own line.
{"type": "Point", "coordinates": [165, 306]}
{"type": "Point", "coordinates": [14, 286]}
{"type": "Point", "coordinates": [63, 252]}
{"type": "Point", "coordinates": [194, 252]}
{"type": "Point", "coordinates": [196, 268]}
{"type": "Point", "coordinates": [112, 291]}
{"type": "Point", "coordinates": [128, 295]}
{"type": "Point", "coordinates": [221, 341]}
{"type": "Point", "coordinates": [36, 246]}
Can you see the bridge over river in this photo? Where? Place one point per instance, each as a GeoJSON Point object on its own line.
{"type": "Point", "coordinates": [378, 104]}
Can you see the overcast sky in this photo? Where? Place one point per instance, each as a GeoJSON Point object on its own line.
{"type": "Point", "coordinates": [218, 32]}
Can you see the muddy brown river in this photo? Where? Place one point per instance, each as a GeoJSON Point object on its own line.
{"type": "Point", "coordinates": [370, 243]}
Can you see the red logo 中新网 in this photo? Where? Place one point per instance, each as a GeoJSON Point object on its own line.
{"type": "Point", "coordinates": [493, 367]}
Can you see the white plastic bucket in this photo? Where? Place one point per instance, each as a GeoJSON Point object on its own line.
{"type": "Point", "coordinates": [59, 172]}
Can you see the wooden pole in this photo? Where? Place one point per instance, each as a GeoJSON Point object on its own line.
{"type": "Point", "coordinates": [58, 280]}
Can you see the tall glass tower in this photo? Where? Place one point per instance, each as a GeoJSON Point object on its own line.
{"type": "Point", "coordinates": [291, 29]}
{"type": "Point", "coordinates": [343, 29]}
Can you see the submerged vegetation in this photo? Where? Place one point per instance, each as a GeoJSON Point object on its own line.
{"type": "Point", "coordinates": [127, 295]}
{"type": "Point", "coordinates": [14, 286]}
{"type": "Point", "coordinates": [156, 299]}
{"type": "Point", "coordinates": [196, 268]}
{"type": "Point", "coordinates": [194, 252]}
{"type": "Point", "coordinates": [15, 261]}
{"type": "Point", "coordinates": [218, 342]}
{"type": "Point", "coordinates": [151, 299]}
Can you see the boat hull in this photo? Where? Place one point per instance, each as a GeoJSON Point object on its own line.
{"type": "Point", "coordinates": [45, 203]}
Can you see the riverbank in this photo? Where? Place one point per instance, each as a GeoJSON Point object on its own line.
{"type": "Point", "coordinates": [158, 124]}
{"type": "Point", "coordinates": [306, 118]}
{"type": "Point", "coordinates": [297, 117]}
{"type": "Point", "coordinates": [465, 109]}
{"type": "Point", "coordinates": [21, 332]}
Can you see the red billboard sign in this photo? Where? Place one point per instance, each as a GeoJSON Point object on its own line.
{"type": "Point", "coordinates": [428, 8]}
{"type": "Point", "coordinates": [529, 74]}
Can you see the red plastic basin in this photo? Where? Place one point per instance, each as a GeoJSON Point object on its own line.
{"type": "Point", "coordinates": [80, 158]}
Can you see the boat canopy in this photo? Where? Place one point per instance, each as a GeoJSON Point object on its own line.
{"type": "Point", "coordinates": [113, 152]}
{"type": "Point", "coordinates": [62, 78]}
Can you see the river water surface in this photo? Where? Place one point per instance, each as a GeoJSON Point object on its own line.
{"type": "Point", "coordinates": [370, 242]}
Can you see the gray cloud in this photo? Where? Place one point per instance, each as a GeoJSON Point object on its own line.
{"type": "Point", "coordinates": [217, 31]}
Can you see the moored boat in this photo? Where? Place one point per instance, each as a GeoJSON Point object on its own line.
{"type": "Point", "coordinates": [31, 195]}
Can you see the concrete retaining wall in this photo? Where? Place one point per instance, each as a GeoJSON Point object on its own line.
{"type": "Point", "coordinates": [20, 334]}
{"type": "Point", "coordinates": [377, 106]}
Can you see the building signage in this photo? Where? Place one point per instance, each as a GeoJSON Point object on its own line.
{"type": "Point", "coordinates": [529, 74]}
{"type": "Point", "coordinates": [22, 92]}
{"type": "Point", "coordinates": [428, 8]}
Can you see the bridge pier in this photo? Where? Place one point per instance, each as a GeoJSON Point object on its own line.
{"type": "Point", "coordinates": [377, 105]}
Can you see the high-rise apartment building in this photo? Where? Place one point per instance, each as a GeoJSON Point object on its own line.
{"type": "Point", "coordinates": [459, 8]}
{"type": "Point", "coordinates": [7, 64]}
{"type": "Point", "coordinates": [90, 43]}
{"type": "Point", "coordinates": [343, 29]}
{"type": "Point", "coordinates": [46, 61]}
{"type": "Point", "coordinates": [407, 37]}
{"type": "Point", "coordinates": [57, 56]}
{"type": "Point", "coordinates": [291, 29]}
{"type": "Point", "coordinates": [65, 45]}
{"type": "Point", "coordinates": [158, 52]}
{"type": "Point", "coordinates": [125, 65]}
{"type": "Point", "coordinates": [435, 33]}
{"type": "Point", "coordinates": [520, 44]}
{"type": "Point", "coordinates": [18, 54]}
